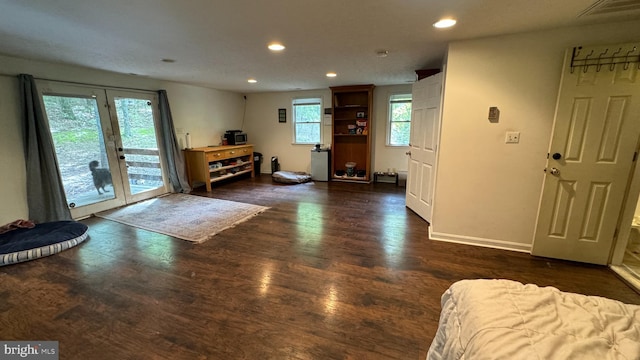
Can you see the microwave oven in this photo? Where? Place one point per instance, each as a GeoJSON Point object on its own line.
{"type": "Point", "coordinates": [235, 137]}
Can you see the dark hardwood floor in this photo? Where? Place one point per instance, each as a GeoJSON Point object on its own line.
{"type": "Point", "coordinates": [330, 271]}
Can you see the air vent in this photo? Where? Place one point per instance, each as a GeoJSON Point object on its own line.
{"type": "Point", "coordinates": [607, 7]}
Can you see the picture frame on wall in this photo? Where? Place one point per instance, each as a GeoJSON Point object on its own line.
{"type": "Point", "coordinates": [282, 115]}
{"type": "Point", "coordinates": [360, 114]}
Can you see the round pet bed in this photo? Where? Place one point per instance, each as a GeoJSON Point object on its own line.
{"type": "Point", "coordinates": [290, 177]}
{"type": "Point", "coordinates": [42, 240]}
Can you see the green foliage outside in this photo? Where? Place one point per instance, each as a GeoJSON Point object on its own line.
{"type": "Point", "coordinates": [400, 123]}
{"type": "Point", "coordinates": [77, 135]}
{"type": "Point", "coordinates": [307, 123]}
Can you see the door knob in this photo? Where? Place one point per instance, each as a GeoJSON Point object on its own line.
{"type": "Point", "coordinates": [554, 171]}
{"type": "Point", "coordinates": [408, 153]}
{"type": "Point", "coordinates": [556, 156]}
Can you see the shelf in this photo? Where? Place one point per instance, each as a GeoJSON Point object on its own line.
{"type": "Point", "coordinates": [229, 175]}
{"type": "Point", "coordinates": [198, 161]}
{"type": "Point", "coordinates": [351, 130]}
{"type": "Point", "coordinates": [350, 178]}
{"type": "Point", "coordinates": [350, 107]}
{"type": "Point", "coordinates": [211, 170]}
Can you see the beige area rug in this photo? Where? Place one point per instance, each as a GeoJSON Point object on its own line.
{"type": "Point", "coordinates": [188, 217]}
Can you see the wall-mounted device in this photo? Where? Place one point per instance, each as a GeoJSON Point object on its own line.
{"type": "Point", "coordinates": [494, 114]}
{"type": "Point", "coordinates": [235, 137]}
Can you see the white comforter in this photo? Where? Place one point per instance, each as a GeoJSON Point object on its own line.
{"type": "Point", "coordinates": [503, 319]}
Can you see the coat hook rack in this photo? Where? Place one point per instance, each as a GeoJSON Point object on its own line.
{"type": "Point", "coordinates": [600, 58]}
{"type": "Point", "coordinates": [612, 66]}
{"type": "Point", "coordinates": [624, 57]}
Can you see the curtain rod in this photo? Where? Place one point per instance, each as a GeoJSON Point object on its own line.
{"type": "Point", "coordinates": [81, 83]}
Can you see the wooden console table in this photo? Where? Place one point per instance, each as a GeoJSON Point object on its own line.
{"type": "Point", "coordinates": [211, 164]}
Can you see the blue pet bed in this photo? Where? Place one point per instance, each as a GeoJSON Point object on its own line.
{"type": "Point", "coordinates": [42, 240]}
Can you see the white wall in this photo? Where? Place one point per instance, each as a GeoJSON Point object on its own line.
{"type": "Point", "coordinates": [206, 113]}
{"type": "Point", "coordinates": [487, 192]}
{"type": "Point", "coordinates": [271, 138]}
{"type": "Point", "coordinates": [275, 139]}
{"type": "Point", "coordinates": [387, 157]}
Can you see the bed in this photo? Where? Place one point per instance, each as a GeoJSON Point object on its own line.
{"type": "Point", "coordinates": [503, 319]}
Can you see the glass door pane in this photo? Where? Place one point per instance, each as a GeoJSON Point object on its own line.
{"type": "Point", "coordinates": [80, 129]}
{"type": "Point", "coordinates": [106, 144]}
{"type": "Point", "coordinates": [137, 123]}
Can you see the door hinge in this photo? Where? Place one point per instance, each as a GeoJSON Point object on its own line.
{"type": "Point", "coordinates": [635, 156]}
{"type": "Point", "coordinates": [547, 156]}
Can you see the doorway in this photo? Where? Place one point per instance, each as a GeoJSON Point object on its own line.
{"type": "Point", "coordinates": [106, 145]}
{"type": "Point", "coordinates": [591, 156]}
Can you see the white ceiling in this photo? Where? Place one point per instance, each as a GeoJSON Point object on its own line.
{"type": "Point", "coordinates": [222, 43]}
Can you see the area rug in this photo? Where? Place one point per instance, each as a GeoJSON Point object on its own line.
{"type": "Point", "coordinates": [188, 217]}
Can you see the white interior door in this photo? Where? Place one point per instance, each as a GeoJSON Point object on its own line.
{"type": "Point", "coordinates": [423, 147]}
{"type": "Point", "coordinates": [591, 156]}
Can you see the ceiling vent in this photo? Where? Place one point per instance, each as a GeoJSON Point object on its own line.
{"type": "Point", "coordinates": [612, 7]}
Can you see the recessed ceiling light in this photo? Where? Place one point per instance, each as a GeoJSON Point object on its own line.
{"type": "Point", "coordinates": [331, 74]}
{"type": "Point", "coordinates": [444, 23]}
{"type": "Point", "coordinates": [252, 81]}
{"type": "Point", "coordinates": [276, 47]}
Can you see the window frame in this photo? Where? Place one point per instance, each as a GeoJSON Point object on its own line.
{"type": "Point", "coordinates": [390, 120]}
{"type": "Point", "coordinates": [306, 100]}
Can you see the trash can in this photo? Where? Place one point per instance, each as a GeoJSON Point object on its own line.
{"type": "Point", "coordinates": [257, 163]}
{"type": "Point", "coordinates": [275, 165]}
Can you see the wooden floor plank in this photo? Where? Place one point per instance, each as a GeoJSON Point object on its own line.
{"type": "Point", "coordinates": [330, 271]}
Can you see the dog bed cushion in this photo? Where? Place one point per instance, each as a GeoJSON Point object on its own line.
{"type": "Point", "coordinates": [42, 240]}
{"type": "Point", "coordinates": [290, 177]}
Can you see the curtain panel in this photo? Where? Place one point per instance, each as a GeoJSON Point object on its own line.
{"type": "Point", "coordinates": [45, 193]}
{"type": "Point", "coordinates": [175, 159]}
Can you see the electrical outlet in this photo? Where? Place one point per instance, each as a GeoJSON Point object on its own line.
{"type": "Point", "coordinates": [512, 137]}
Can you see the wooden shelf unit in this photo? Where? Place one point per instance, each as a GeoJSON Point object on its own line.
{"type": "Point", "coordinates": [211, 164]}
{"type": "Point", "coordinates": [352, 110]}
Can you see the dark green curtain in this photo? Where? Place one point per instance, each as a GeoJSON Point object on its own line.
{"type": "Point", "coordinates": [45, 193]}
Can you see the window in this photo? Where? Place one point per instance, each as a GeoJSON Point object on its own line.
{"type": "Point", "coordinates": [307, 121]}
{"type": "Point", "coordinates": [399, 129]}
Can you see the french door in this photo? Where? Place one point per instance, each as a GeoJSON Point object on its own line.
{"type": "Point", "coordinates": [106, 145]}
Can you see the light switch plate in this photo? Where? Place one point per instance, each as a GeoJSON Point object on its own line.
{"type": "Point", "coordinates": [512, 137]}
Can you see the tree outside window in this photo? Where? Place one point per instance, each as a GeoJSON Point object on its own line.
{"type": "Point", "coordinates": [307, 121]}
{"type": "Point", "coordinates": [399, 127]}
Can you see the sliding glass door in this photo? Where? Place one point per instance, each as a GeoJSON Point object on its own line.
{"type": "Point", "coordinates": [106, 145]}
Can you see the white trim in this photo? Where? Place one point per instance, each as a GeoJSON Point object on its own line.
{"type": "Point", "coordinates": [387, 140]}
{"type": "Point", "coordinates": [300, 100]}
{"type": "Point", "coordinates": [476, 241]}
{"type": "Point", "coordinates": [627, 276]}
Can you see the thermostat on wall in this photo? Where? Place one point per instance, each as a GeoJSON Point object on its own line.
{"type": "Point", "coordinates": [494, 114]}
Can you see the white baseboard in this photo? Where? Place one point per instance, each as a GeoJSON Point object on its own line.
{"type": "Point", "coordinates": [476, 241]}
